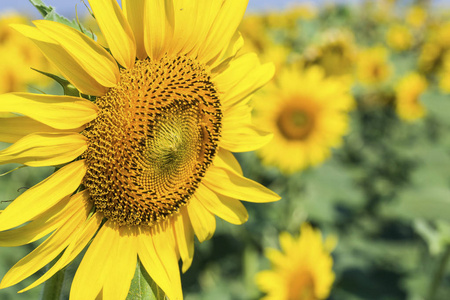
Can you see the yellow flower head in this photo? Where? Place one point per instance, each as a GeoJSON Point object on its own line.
{"type": "Point", "coordinates": [429, 56]}
{"type": "Point", "coordinates": [416, 16]}
{"type": "Point", "coordinates": [288, 18]}
{"type": "Point", "coordinates": [302, 270]}
{"type": "Point", "coordinates": [399, 37]}
{"type": "Point", "coordinates": [308, 114]}
{"type": "Point", "coordinates": [444, 81]}
{"type": "Point", "coordinates": [408, 92]}
{"type": "Point", "coordinates": [336, 54]}
{"type": "Point", "coordinates": [254, 31]}
{"type": "Point", "coordinates": [373, 66]}
{"type": "Point", "coordinates": [444, 74]}
{"type": "Point", "coordinates": [442, 35]}
{"type": "Point", "coordinates": [17, 56]}
{"type": "Point", "coordinates": [146, 163]}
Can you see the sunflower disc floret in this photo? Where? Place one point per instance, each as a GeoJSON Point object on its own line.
{"type": "Point", "coordinates": [155, 136]}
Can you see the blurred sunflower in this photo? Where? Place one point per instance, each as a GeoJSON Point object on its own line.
{"type": "Point", "coordinates": [444, 74]}
{"type": "Point", "coordinates": [442, 35]}
{"type": "Point", "coordinates": [254, 29]}
{"type": "Point", "coordinates": [444, 82]}
{"type": "Point", "coordinates": [399, 37]}
{"type": "Point", "coordinates": [416, 16]}
{"type": "Point", "coordinates": [148, 162]}
{"type": "Point", "coordinates": [302, 270]}
{"type": "Point", "coordinates": [17, 55]}
{"type": "Point", "coordinates": [308, 114]}
{"type": "Point", "coordinates": [287, 20]}
{"type": "Point", "coordinates": [373, 67]}
{"type": "Point", "coordinates": [408, 91]}
{"type": "Point", "coordinates": [429, 57]}
{"type": "Point", "coordinates": [336, 54]}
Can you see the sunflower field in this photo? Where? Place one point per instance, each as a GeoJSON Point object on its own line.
{"type": "Point", "coordinates": [343, 111]}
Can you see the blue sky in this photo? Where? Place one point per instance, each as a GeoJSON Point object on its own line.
{"type": "Point", "coordinates": [67, 7]}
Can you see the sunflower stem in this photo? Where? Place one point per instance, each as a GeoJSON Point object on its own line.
{"type": "Point", "coordinates": [143, 287]}
{"type": "Point", "coordinates": [437, 279]}
{"type": "Point", "coordinates": [53, 287]}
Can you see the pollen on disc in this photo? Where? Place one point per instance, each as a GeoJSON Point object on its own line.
{"type": "Point", "coordinates": [155, 136]}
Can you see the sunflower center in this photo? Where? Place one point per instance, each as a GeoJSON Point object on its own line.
{"type": "Point", "coordinates": [295, 122]}
{"type": "Point", "coordinates": [301, 287]}
{"type": "Point", "coordinates": [155, 136]}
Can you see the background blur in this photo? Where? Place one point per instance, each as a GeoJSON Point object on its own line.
{"type": "Point", "coordinates": [382, 189]}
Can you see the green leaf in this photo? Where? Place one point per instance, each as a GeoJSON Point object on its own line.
{"type": "Point", "coordinates": [41, 7]}
{"type": "Point", "coordinates": [69, 89]}
{"type": "Point", "coordinates": [426, 203]}
{"type": "Point", "coordinates": [436, 234]}
{"type": "Point", "coordinates": [143, 287]}
{"type": "Point", "coordinates": [49, 13]}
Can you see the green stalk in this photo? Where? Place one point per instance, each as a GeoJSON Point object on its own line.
{"type": "Point", "coordinates": [53, 287]}
{"type": "Point", "coordinates": [437, 278]}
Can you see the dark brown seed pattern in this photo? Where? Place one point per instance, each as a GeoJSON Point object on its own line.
{"type": "Point", "coordinates": [155, 136]}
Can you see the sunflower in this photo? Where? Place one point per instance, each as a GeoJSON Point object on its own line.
{"type": "Point", "coordinates": [399, 37]}
{"type": "Point", "coordinates": [302, 270]}
{"type": "Point", "coordinates": [143, 156]}
{"type": "Point", "coordinates": [373, 67]}
{"type": "Point", "coordinates": [408, 91]}
{"type": "Point", "coordinates": [336, 54]}
{"type": "Point", "coordinates": [17, 54]}
{"type": "Point", "coordinates": [416, 16]}
{"type": "Point", "coordinates": [444, 81]}
{"type": "Point", "coordinates": [308, 114]}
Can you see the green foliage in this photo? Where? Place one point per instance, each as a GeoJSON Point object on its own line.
{"type": "Point", "coordinates": [49, 13]}
{"type": "Point", "coordinates": [143, 287]}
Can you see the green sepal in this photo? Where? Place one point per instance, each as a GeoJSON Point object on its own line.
{"type": "Point", "coordinates": [49, 13]}
{"type": "Point", "coordinates": [143, 287]}
{"type": "Point", "coordinates": [68, 88]}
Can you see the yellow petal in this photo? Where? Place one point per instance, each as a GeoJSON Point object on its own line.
{"type": "Point", "coordinates": [122, 264]}
{"type": "Point", "coordinates": [229, 183]}
{"type": "Point", "coordinates": [158, 27]}
{"type": "Point", "coordinates": [63, 61]}
{"type": "Point", "coordinates": [228, 54]}
{"type": "Point", "coordinates": [242, 137]}
{"type": "Point", "coordinates": [7, 115]}
{"type": "Point", "coordinates": [43, 196]}
{"type": "Point", "coordinates": [158, 256]}
{"type": "Point", "coordinates": [134, 12]}
{"type": "Point", "coordinates": [79, 241]}
{"type": "Point", "coordinates": [93, 270]}
{"type": "Point", "coordinates": [203, 222]}
{"type": "Point", "coordinates": [60, 112]}
{"type": "Point", "coordinates": [185, 18]}
{"type": "Point", "coordinates": [243, 77]}
{"type": "Point", "coordinates": [46, 252]}
{"type": "Point", "coordinates": [88, 53]}
{"type": "Point", "coordinates": [116, 31]}
{"type": "Point", "coordinates": [200, 23]}
{"type": "Point", "coordinates": [223, 28]}
{"type": "Point", "coordinates": [42, 225]}
{"type": "Point", "coordinates": [13, 129]}
{"type": "Point", "coordinates": [184, 235]}
{"type": "Point", "coordinates": [286, 241]}
{"type": "Point", "coordinates": [226, 159]}
{"type": "Point", "coordinates": [164, 243]}
{"type": "Point", "coordinates": [45, 149]}
{"type": "Point", "coordinates": [152, 263]}
{"type": "Point", "coordinates": [229, 209]}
